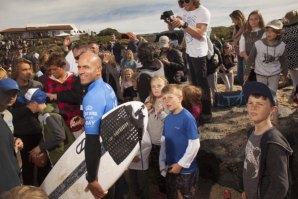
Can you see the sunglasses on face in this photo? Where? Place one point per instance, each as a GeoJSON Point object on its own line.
{"type": "Point", "coordinates": [77, 57]}
{"type": "Point", "coordinates": [183, 1]}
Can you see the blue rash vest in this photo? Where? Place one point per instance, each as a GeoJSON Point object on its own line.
{"type": "Point", "coordinates": [99, 99]}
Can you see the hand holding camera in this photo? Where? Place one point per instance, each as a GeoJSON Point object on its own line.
{"type": "Point", "coordinates": [169, 18]}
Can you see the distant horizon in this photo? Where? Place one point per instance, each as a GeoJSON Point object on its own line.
{"type": "Point", "coordinates": [141, 17]}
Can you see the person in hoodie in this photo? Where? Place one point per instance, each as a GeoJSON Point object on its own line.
{"type": "Point", "coordinates": [57, 137]}
{"type": "Point", "coordinates": [266, 163]}
{"type": "Point", "coordinates": [268, 56]}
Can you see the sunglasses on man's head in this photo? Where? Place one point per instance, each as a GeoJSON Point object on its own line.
{"type": "Point", "coordinates": [183, 1]}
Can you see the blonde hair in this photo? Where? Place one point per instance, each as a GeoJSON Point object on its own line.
{"type": "Point", "coordinates": [292, 17]}
{"type": "Point", "coordinates": [152, 98]}
{"type": "Point", "coordinates": [25, 192]}
{"type": "Point", "coordinates": [174, 89]}
{"type": "Point", "coordinates": [132, 59]}
{"type": "Point", "coordinates": [127, 70]}
{"type": "Point", "coordinates": [3, 73]}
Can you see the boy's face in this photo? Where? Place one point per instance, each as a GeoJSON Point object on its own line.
{"type": "Point", "coordinates": [270, 34]}
{"type": "Point", "coordinates": [259, 109]}
{"type": "Point", "coordinates": [172, 102]}
{"type": "Point", "coordinates": [7, 98]}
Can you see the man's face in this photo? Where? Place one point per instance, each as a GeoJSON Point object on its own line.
{"type": "Point", "coordinates": [25, 72]}
{"type": "Point", "coordinates": [94, 48]}
{"type": "Point", "coordinates": [88, 69]}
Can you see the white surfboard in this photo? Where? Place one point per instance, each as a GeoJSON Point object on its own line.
{"type": "Point", "coordinates": [121, 131]}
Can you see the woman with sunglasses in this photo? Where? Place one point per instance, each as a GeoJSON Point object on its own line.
{"type": "Point", "coordinates": [194, 20]}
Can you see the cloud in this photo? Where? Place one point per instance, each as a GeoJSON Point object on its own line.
{"type": "Point", "coordinates": [134, 15]}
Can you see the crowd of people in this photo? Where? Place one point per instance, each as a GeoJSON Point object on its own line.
{"type": "Point", "coordinates": [44, 100]}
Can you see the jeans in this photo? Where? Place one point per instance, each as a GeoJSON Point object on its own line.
{"type": "Point", "coordinates": [198, 74]}
{"type": "Point", "coordinates": [240, 69]}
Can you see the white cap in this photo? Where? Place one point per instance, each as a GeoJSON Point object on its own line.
{"type": "Point", "coordinates": [164, 42]}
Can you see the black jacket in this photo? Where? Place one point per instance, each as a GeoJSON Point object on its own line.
{"type": "Point", "coordinates": [24, 121]}
{"type": "Point", "coordinates": [9, 168]}
{"type": "Point", "coordinates": [176, 64]}
{"type": "Point", "coordinates": [274, 165]}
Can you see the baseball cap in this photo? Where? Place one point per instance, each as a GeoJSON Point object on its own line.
{"type": "Point", "coordinates": [8, 84]}
{"type": "Point", "coordinates": [275, 24]}
{"type": "Point", "coordinates": [253, 87]}
{"type": "Point", "coordinates": [34, 95]}
{"type": "Point", "coordinates": [164, 42]}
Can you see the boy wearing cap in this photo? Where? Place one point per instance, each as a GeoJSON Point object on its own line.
{"type": "Point", "coordinates": [57, 137]}
{"type": "Point", "coordinates": [266, 163]}
{"type": "Point", "coordinates": [268, 56]}
{"type": "Point", "coordinates": [9, 172]}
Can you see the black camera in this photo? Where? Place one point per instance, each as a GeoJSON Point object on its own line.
{"type": "Point", "coordinates": [167, 16]}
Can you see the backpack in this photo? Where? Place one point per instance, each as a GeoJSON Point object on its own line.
{"type": "Point", "coordinates": [229, 99]}
{"type": "Point", "coordinates": [212, 62]}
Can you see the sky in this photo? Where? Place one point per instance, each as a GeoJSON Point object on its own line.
{"type": "Point", "coordinates": [139, 16]}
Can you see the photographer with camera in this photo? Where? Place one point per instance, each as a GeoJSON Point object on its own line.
{"type": "Point", "coordinates": [194, 19]}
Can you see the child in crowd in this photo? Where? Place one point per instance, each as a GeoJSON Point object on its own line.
{"type": "Point", "coordinates": [254, 31]}
{"type": "Point", "coordinates": [268, 58]}
{"type": "Point", "coordinates": [130, 61]}
{"type": "Point", "coordinates": [179, 146]}
{"type": "Point", "coordinates": [226, 68]}
{"type": "Point", "coordinates": [131, 92]}
{"type": "Point", "coordinates": [239, 21]}
{"type": "Point", "coordinates": [192, 96]}
{"type": "Point", "coordinates": [126, 79]}
{"type": "Point", "coordinates": [156, 116]}
{"type": "Point", "coordinates": [57, 136]}
{"type": "Point", "coordinates": [266, 163]}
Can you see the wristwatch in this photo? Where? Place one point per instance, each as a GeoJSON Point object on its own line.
{"type": "Point", "coordinates": [185, 25]}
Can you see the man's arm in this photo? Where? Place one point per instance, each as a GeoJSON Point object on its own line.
{"type": "Point", "coordinates": [197, 32]}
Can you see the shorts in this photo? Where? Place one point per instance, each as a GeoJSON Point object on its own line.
{"type": "Point", "coordinates": [185, 183]}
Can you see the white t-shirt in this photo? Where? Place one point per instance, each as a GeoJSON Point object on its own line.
{"type": "Point", "coordinates": [196, 47]}
{"type": "Point", "coordinates": [71, 64]}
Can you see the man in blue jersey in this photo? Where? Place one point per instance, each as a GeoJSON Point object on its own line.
{"type": "Point", "coordinates": [99, 99]}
